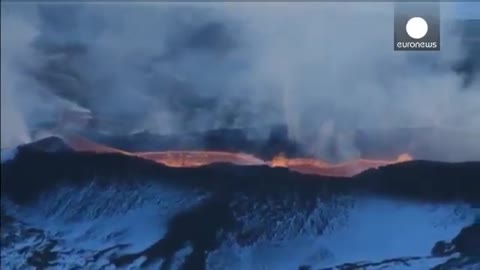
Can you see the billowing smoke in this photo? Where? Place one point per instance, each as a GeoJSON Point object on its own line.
{"type": "Point", "coordinates": [334, 66]}
{"type": "Point", "coordinates": [26, 103]}
{"type": "Point", "coordinates": [14, 50]}
{"type": "Point", "coordinates": [326, 70]}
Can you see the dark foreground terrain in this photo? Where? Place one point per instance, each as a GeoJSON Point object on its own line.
{"type": "Point", "coordinates": [231, 195]}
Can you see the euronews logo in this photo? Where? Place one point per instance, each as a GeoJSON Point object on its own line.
{"type": "Point", "coordinates": [417, 29]}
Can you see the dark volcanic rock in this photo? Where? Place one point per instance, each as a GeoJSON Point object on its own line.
{"type": "Point", "coordinates": [443, 248]}
{"type": "Point", "coordinates": [468, 241]}
{"type": "Point", "coordinates": [20, 176]}
{"type": "Point", "coordinates": [424, 180]}
{"type": "Point", "coordinates": [417, 180]}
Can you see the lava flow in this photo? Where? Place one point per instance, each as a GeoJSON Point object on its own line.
{"type": "Point", "coordinates": [201, 158]}
{"type": "Point", "coordinates": [346, 169]}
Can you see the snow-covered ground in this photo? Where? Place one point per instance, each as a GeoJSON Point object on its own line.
{"type": "Point", "coordinates": [376, 230]}
{"type": "Point", "coordinates": [84, 227]}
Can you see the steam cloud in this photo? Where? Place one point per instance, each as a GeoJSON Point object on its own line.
{"type": "Point", "coordinates": [324, 69]}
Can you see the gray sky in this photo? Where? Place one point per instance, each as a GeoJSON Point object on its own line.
{"type": "Point", "coordinates": [469, 10]}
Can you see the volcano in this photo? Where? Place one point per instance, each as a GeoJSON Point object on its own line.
{"type": "Point", "coordinates": [200, 208]}
{"type": "Point", "coordinates": [237, 137]}
{"type": "Point", "coordinates": [197, 158]}
{"type": "Point", "coordinates": [202, 196]}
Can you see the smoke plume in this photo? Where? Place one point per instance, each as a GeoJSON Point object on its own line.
{"type": "Point", "coordinates": [326, 70]}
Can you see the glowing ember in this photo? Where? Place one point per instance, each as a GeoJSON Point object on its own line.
{"type": "Point", "coordinates": [201, 158]}
{"type": "Point", "coordinates": [279, 161]}
{"type": "Point", "coordinates": [404, 157]}
{"type": "Point", "coordinates": [282, 161]}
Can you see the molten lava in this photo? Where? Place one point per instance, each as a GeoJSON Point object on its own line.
{"type": "Point", "coordinates": [350, 168]}
{"type": "Point", "coordinates": [201, 158]}
{"type": "Point", "coordinates": [282, 161]}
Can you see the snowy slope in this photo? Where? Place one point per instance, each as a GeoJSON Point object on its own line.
{"type": "Point", "coordinates": [126, 220]}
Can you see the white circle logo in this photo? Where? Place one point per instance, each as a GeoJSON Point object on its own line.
{"type": "Point", "coordinates": [417, 27]}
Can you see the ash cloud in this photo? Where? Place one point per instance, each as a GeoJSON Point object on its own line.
{"type": "Point", "coordinates": [325, 70]}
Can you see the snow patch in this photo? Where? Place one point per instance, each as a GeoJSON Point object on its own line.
{"type": "Point", "coordinates": [376, 230]}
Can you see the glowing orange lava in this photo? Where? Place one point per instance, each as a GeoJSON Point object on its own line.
{"type": "Point", "coordinates": [201, 158]}
{"type": "Point", "coordinates": [350, 168]}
